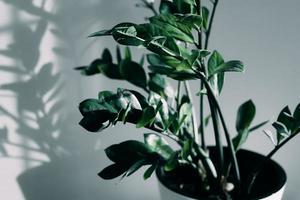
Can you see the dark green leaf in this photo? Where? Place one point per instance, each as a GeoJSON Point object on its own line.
{"type": "Point", "coordinates": [89, 105]}
{"type": "Point", "coordinates": [285, 117]}
{"type": "Point", "coordinates": [245, 116]}
{"type": "Point", "coordinates": [128, 152]}
{"type": "Point", "coordinates": [112, 171]}
{"type": "Point", "coordinates": [134, 73]}
{"type": "Point", "coordinates": [106, 56]}
{"type": "Point", "coordinates": [205, 15]}
{"type": "Point", "coordinates": [149, 171]}
{"type": "Point", "coordinates": [119, 56]}
{"type": "Point", "coordinates": [296, 114]}
{"type": "Point", "coordinates": [282, 131]}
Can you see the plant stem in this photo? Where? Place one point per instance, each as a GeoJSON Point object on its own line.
{"type": "Point", "coordinates": [178, 95]}
{"type": "Point", "coordinates": [201, 100]}
{"type": "Point", "coordinates": [203, 143]}
{"type": "Point", "coordinates": [215, 4]}
{"type": "Point", "coordinates": [194, 121]}
{"type": "Point", "coordinates": [219, 146]}
{"type": "Point", "coordinates": [267, 159]}
{"type": "Point", "coordinates": [228, 139]}
{"type": "Point", "coordinates": [213, 98]}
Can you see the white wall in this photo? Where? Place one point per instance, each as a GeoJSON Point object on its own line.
{"type": "Point", "coordinates": [264, 34]}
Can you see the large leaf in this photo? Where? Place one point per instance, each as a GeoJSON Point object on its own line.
{"type": "Point", "coordinates": [173, 28]}
{"type": "Point", "coordinates": [245, 116]}
{"type": "Point", "coordinates": [128, 152]}
{"type": "Point", "coordinates": [134, 73]}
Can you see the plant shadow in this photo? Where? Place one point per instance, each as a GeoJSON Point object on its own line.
{"type": "Point", "coordinates": [44, 123]}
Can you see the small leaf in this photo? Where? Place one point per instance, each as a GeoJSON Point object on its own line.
{"type": "Point", "coordinates": [205, 16]}
{"type": "Point", "coordinates": [128, 152]}
{"type": "Point", "coordinates": [296, 113]}
{"type": "Point", "coordinates": [119, 56]}
{"type": "Point", "coordinates": [106, 56]}
{"type": "Point", "coordinates": [245, 115]}
{"type": "Point", "coordinates": [285, 117]}
{"type": "Point", "coordinates": [282, 131]}
{"type": "Point", "coordinates": [112, 171]}
{"type": "Point", "coordinates": [149, 171]}
{"type": "Point", "coordinates": [127, 54]}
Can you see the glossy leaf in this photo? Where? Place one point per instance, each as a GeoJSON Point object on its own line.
{"type": "Point", "coordinates": [159, 145]}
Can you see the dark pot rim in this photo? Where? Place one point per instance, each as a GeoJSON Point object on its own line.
{"type": "Point", "coordinates": [282, 177]}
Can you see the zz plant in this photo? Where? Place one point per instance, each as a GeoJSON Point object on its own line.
{"type": "Point", "coordinates": [176, 38]}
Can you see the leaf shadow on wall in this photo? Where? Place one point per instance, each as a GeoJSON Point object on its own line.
{"type": "Point", "coordinates": [41, 119]}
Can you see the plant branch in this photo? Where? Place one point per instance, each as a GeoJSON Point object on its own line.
{"type": "Point", "coordinates": [194, 121]}
{"type": "Point", "coordinates": [215, 4]}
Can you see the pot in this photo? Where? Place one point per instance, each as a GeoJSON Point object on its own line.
{"type": "Point", "coordinates": [269, 184]}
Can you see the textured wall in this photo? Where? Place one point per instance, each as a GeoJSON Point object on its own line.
{"type": "Point", "coordinates": [41, 42]}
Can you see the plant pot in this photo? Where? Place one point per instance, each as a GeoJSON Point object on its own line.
{"type": "Point", "coordinates": [269, 184]}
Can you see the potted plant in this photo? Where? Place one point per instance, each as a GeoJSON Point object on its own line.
{"type": "Point", "coordinates": [176, 38]}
